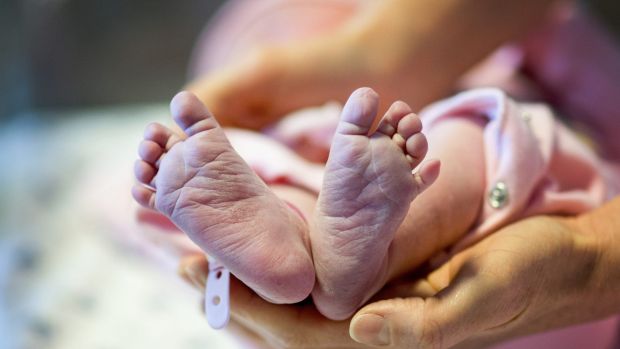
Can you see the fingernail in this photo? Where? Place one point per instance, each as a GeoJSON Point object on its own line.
{"type": "Point", "coordinates": [370, 329]}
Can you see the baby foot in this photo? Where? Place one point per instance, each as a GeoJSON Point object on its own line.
{"type": "Point", "coordinates": [211, 194]}
{"type": "Point", "coordinates": [367, 189]}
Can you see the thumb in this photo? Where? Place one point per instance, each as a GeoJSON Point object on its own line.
{"type": "Point", "coordinates": [473, 302]}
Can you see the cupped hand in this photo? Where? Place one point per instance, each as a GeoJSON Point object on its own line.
{"type": "Point", "coordinates": [535, 275]}
{"type": "Point", "coordinates": [513, 283]}
{"type": "Point", "coordinates": [272, 81]}
{"type": "Point", "coordinates": [271, 325]}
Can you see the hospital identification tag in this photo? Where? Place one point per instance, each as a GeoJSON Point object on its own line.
{"type": "Point", "coordinates": [217, 297]}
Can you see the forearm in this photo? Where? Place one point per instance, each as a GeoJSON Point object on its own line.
{"type": "Point", "coordinates": [603, 225]}
{"type": "Point", "coordinates": [413, 50]}
{"type": "Point", "coordinates": [432, 43]}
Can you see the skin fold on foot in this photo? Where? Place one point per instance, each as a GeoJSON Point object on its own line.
{"type": "Point", "coordinates": [367, 189]}
{"type": "Point", "coordinates": [210, 193]}
{"type": "Point", "coordinates": [198, 180]}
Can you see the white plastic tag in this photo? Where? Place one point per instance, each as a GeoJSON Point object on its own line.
{"type": "Point", "coordinates": [217, 297]}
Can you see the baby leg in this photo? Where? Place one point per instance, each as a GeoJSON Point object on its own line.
{"type": "Point", "coordinates": [365, 232]}
{"type": "Point", "coordinates": [449, 208]}
{"type": "Point", "coordinates": [211, 194]}
{"type": "Point", "coordinates": [367, 189]}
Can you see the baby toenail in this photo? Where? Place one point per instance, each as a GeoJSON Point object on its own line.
{"type": "Point", "coordinates": [498, 195]}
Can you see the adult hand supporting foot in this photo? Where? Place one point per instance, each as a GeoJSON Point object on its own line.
{"type": "Point", "coordinates": [409, 50]}
{"type": "Point", "coordinates": [536, 275]}
{"type": "Point", "coordinates": [511, 284]}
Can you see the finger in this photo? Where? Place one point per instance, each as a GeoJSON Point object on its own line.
{"type": "Point", "coordinates": [273, 322]}
{"type": "Point", "coordinates": [403, 288]}
{"type": "Point", "coordinates": [287, 326]}
{"type": "Point", "coordinates": [246, 336]}
{"type": "Point", "coordinates": [474, 300]}
{"type": "Point", "coordinates": [428, 286]}
{"type": "Point", "coordinates": [194, 270]}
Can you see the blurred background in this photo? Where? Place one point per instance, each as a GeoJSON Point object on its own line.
{"type": "Point", "coordinates": [79, 80]}
{"type": "Point", "coordinates": [65, 53]}
{"type": "Point", "coordinates": [68, 53]}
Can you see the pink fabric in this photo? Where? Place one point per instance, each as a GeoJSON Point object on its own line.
{"type": "Point", "coordinates": [576, 63]}
{"type": "Point", "coordinates": [274, 162]}
{"type": "Point", "coordinates": [545, 167]}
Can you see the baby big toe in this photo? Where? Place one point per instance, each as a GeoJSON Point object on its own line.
{"type": "Point", "coordinates": [359, 113]}
{"type": "Point", "coordinates": [144, 172]}
{"type": "Point", "coordinates": [191, 114]}
{"type": "Point", "coordinates": [143, 196]}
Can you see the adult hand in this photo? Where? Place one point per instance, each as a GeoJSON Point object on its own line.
{"type": "Point", "coordinates": [535, 275]}
{"type": "Point", "coordinates": [272, 81]}
{"type": "Point", "coordinates": [271, 325]}
{"type": "Point", "coordinates": [513, 283]}
{"type": "Point", "coordinates": [404, 49]}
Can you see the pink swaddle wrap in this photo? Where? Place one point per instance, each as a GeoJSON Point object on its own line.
{"type": "Point", "coordinates": [534, 165]}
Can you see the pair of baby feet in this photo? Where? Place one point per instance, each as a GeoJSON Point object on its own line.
{"type": "Point", "coordinates": [339, 253]}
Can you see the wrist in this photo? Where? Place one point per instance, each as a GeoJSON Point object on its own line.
{"type": "Point", "coordinates": [598, 231]}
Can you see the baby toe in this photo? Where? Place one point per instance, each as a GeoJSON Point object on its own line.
{"type": "Point", "coordinates": [416, 147]}
{"type": "Point", "coordinates": [144, 172]}
{"type": "Point", "coordinates": [392, 117]}
{"type": "Point", "coordinates": [191, 114]}
{"type": "Point", "coordinates": [143, 196]}
{"type": "Point", "coordinates": [150, 151]}
{"type": "Point", "coordinates": [427, 174]}
{"type": "Point", "coordinates": [409, 125]}
{"type": "Point", "coordinates": [157, 133]}
{"type": "Point", "coordinates": [359, 113]}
